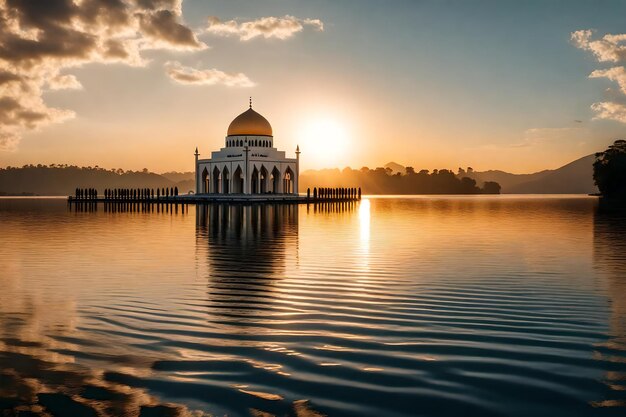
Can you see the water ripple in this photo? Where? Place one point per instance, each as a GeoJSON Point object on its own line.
{"type": "Point", "coordinates": [484, 306]}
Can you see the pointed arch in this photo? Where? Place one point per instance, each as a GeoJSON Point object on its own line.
{"type": "Point", "coordinates": [216, 181]}
{"type": "Point", "coordinates": [238, 181]}
{"type": "Point", "coordinates": [254, 181]}
{"type": "Point", "coordinates": [275, 181]}
{"type": "Point", "coordinates": [205, 181]}
{"type": "Point", "coordinates": [288, 181]}
{"type": "Point", "coordinates": [225, 181]}
{"type": "Point", "coordinates": [263, 179]}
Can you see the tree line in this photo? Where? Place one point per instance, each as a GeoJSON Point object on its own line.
{"type": "Point", "coordinates": [385, 181]}
{"type": "Point", "coordinates": [60, 179]}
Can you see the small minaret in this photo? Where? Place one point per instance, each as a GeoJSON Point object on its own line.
{"type": "Point", "coordinates": [295, 190]}
{"type": "Point", "coordinates": [197, 179]}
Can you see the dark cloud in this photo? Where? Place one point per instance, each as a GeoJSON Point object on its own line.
{"type": "Point", "coordinates": [56, 42]}
{"type": "Point", "coordinates": [108, 13]}
{"type": "Point", "coordinates": [41, 14]}
{"type": "Point", "coordinates": [162, 26]}
{"type": "Point", "coordinates": [39, 38]}
{"type": "Point", "coordinates": [174, 5]}
{"type": "Point", "coordinates": [115, 49]}
{"type": "Point", "coordinates": [7, 77]}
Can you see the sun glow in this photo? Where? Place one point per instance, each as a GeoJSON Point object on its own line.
{"type": "Point", "coordinates": [325, 141]}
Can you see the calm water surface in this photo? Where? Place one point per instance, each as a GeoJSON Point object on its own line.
{"type": "Point", "coordinates": [446, 306]}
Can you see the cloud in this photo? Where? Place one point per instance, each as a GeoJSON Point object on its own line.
{"type": "Point", "coordinates": [609, 48]}
{"type": "Point", "coordinates": [191, 76]}
{"type": "Point", "coordinates": [39, 39]}
{"type": "Point", "coordinates": [610, 111]}
{"type": "Point", "coordinates": [64, 82]}
{"type": "Point", "coordinates": [163, 28]}
{"type": "Point", "coordinates": [617, 74]}
{"type": "Point", "coordinates": [268, 27]}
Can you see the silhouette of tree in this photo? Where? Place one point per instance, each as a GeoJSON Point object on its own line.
{"type": "Point", "coordinates": [491, 187]}
{"type": "Point", "coordinates": [609, 170]}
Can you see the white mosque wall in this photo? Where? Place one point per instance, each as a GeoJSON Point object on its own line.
{"type": "Point", "coordinates": [267, 171]}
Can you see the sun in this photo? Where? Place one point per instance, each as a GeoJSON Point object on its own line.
{"type": "Point", "coordinates": [325, 141]}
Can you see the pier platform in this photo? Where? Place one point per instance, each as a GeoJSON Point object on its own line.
{"type": "Point", "coordinates": [218, 199]}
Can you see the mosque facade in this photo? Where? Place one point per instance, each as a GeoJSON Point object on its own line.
{"type": "Point", "coordinates": [249, 163]}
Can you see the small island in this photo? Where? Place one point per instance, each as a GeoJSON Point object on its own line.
{"type": "Point", "coordinates": [609, 174]}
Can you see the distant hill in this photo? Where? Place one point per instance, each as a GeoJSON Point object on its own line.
{"type": "Point", "coordinates": [179, 176]}
{"type": "Point", "coordinates": [505, 179]}
{"type": "Point", "coordinates": [63, 180]}
{"type": "Point", "coordinates": [395, 168]}
{"type": "Point", "coordinates": [573, 178]}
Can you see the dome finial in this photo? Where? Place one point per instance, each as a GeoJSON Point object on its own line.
{"type": "Point", "coordinates": [250, 102]}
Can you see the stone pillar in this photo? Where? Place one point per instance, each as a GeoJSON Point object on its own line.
{"type": "Point", "coordinates": [281, 183]}
{"type": "Point", "coordinates": [211, 180]}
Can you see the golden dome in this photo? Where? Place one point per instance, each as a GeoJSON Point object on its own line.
{"type": "Point", "coordinates": [250, 123]}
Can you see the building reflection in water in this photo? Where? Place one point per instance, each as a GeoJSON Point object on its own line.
{"type": "Point", "coordinates": [246, 248]}
{"type": "Point", "coordinates": [610, 263]}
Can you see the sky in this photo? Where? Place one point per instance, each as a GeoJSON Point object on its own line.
{"type": "Point", "coordinates": [133, 84]}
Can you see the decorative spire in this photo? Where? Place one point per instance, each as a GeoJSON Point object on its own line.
{"type": "Point", "coordinates": [250, 102]}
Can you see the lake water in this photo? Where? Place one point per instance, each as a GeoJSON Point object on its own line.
{"type": "Point", "coordinates": [423, 306]}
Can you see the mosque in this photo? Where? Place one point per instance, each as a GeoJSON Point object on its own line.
{"type": "Point", "coordinates": [248, 163]}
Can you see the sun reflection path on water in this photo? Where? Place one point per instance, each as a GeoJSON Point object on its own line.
{"type": "Point", "coordinates": [364, 233]}
{"type": "Point", "coordinates": [364, 220]}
